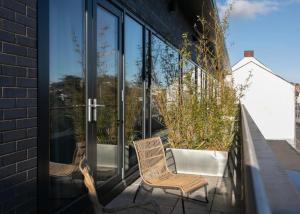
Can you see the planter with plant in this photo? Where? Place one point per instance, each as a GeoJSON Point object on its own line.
{"type": "Point", "coordinates": [200, 109]}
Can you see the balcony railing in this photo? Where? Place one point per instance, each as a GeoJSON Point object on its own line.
{"type": "Point", "coordinates": [267, 186]}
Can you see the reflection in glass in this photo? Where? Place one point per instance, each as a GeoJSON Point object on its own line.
{"type": "Point", "coordinates": [147, 96]}
{"type": "Point", "coordinates": [107, 95]}
{"type": "Point", "coordinates": [133, 88]}
{"type": "Point", "coordinates": [67, 99]}
{"type": "Point", "coordinates": [165, 70]}
{"type": "Point", "coordinates": [189, 76]}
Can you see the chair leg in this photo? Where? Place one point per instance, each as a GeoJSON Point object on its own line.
{"type": "Point", "coordinates": [136, 192]}
{"type": "Point", "coordinates": [182, 203]}
{"type": "Point", "coordinates": [206, 194]}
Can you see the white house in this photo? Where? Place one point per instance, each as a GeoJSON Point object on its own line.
{"type": "Point", "coordinates": [269, 99]}
{"type": "Point", "coordinates": [298, 103]}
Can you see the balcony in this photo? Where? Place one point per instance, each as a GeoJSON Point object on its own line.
{"type": "Point", "coordinates": [262, 177]}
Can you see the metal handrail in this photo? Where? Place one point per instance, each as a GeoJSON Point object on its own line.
{"type": "Point", "coordinates": [256, 200]}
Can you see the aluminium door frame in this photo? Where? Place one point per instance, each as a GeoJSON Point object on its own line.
{"type": "Point", "coordinates": [92, 152]}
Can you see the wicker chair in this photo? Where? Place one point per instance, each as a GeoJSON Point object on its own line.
{"type": "Point", "coordinates": [98, 208]}
{"type": "Point", "coordinates": [155, 173]}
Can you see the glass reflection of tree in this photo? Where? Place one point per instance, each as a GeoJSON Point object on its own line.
{"type": "Point", "coordinates": [133, 101]}
{"type": "Point", "coordinates": [107, 85]}
{"type": "Point", "coordinates": [66, 97]}
{"type": "Point", "coordinates": [165, 61]}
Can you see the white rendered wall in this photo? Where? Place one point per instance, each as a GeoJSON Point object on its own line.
{"type": "Point", "coordinates": [269, 100]}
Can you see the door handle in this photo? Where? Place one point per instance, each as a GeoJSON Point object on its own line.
{"type": "Point", "coordinates": [89, 110]}
{"type": "Point", "coordinates": [92, 109]}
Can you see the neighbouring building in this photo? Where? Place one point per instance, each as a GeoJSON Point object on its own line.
{"type": "Point", "coordinates": [297, 86]}
{"type": "Point", "coordinates": [77, 77]}
{"type": "Point", "coordinates": [269, 99]}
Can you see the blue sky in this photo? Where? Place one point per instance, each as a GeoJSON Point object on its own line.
{"type": "Point", "coordinates": [269, 27]}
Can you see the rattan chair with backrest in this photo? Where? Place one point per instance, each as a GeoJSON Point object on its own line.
{"type": "Point", "coordinates": [98, 207]}
{"type": "Point", "coordinates": [155, 172]}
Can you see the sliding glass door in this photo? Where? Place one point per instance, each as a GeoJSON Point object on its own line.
{"type": "Point", "coordinates": [67, 101]}
{"type": "Point", "coordinates": [133, 88]}
{"type": "Point", "coordinates": [108, 102]}
{"type": "Point", "coordinates": [97, 96]}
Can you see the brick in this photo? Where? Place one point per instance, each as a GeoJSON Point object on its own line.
{"type": "Point", "coordinates": [27, 102]}
{"type": "Point", "coordinates": [7, 14]}
{"type": "Point", "coordinates": [32, 53]}
{"type": "Point", "coordinates": [7, 148]}
{"type": "Point", "coordinates": [32, 173]}
{"type": "Point", "coordinates": [21, 1]}
{"type": "Point", "coordinates": [32, 73]}
{"type": "Point", "coordinates": [7, 37]}
{"type": "Point", "coordinates": [31, 32]}
{"type": "Point", "coordinates": [26, 41]}
{"type": "Point", "coordinates": [6, 195]}
{"type": "Point", "coordinates": [32, 132]}
{"type": "Point", "coordinates": [32, 93]}
{"type": "Point", "coordinates": [12, 180]}
{"type": "Point", "coordinates": [7, 81]}
{"type": "Point", "coordinates": [15, 114]}
{"type": "Point", "coordinates": [14, 92]}
{"type": "Point", "coordinates": [25, 144]}
{"type": "Point", "coordinates": [26, 123]}
{"type": "Point", "coordinates": [25, 20]}
{"type": "Point", "coordinates": [14, 5]}
{"type": "Point", "coordinates": [10, 204]}
{"type": "Point", "coordinates": [12, 158]}
{"type": "Point", "coordinates": [32, 153]}
{"type": "Point", "coordinates": [14, 135]}
{"type": "Point", "coordinates": [28, 187]}
{"type": "Point", "coordinates": [7, 59]}
{"type": "Point", "coordinates": [12, 27]}
{"type": "Point", "coordinates": [27, 62]}
{"type": "Point", "coordinates": [26, 82]}
{"type": "Point", "coordinates": [7, 103]}
{"type": "Point", "coordinates": [31, 3]}
{"type": "Point", "coordinates": [7, 125]}
{"type": "Point", "coordinates": [32, 112]}
{"type": "Point", "coordinates": [9, 70]}
{"type": "Point", "coordinates": [14, 49]}
{"type": "Point", "coordinates": [27, 164]}
{"type": "Point", "coordinates": [7, 171]}
{"type": "Point", "coordinates": [27, 207]}
{"type": "Point", "coordinates": [31, 12]}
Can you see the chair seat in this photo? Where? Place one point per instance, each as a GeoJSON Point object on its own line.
{"type": "Point", "coordinates": [61, 170]}
{"type": "Point", "coordinates": [186, 182]}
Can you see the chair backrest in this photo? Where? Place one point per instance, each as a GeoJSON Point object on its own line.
{"type": "Point", "coordinates": [151, 158]}
{"type": "Point", "coordinates": [78, 153]}
{"type": "Point", "coordinates": [90, 185]}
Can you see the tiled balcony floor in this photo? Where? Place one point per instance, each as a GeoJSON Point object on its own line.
{"type": "Point", "coordinates": [221, 195]}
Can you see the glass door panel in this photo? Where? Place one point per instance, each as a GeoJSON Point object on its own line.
{"type": "Point", "coordinates": [133, 89]}
{"type": "Point", "coordinates": [67, 87]}
{"type": "Point", "coordinates": [107, 95]}
{"type": "Point", "coordinates": [164, 74]}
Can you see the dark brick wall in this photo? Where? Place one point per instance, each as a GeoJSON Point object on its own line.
{"type": "Point", "coordinates": [18, 106]}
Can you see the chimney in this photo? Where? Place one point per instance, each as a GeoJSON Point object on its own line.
{"type": "Point", "coordinates": [248, 53]}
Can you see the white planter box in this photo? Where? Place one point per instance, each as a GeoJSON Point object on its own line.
{"type": "Point", "coordinates": [201, 162]}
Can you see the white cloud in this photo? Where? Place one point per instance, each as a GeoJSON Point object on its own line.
{"type": "Point", "coordinates": [252, 8]}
